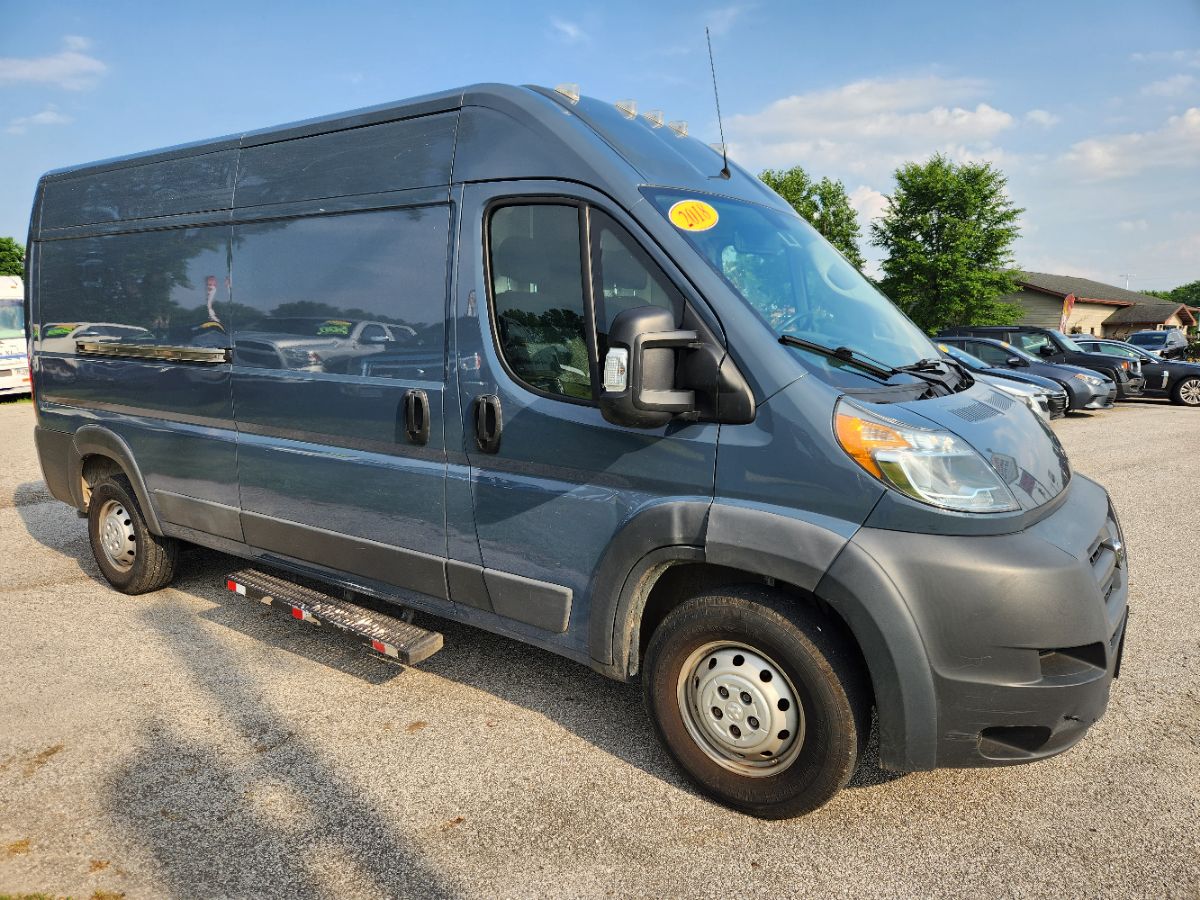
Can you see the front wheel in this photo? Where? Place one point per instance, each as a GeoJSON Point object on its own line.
{"type": "Point", "coordinates": [1187, 392]}
{"type": "Point", "coordinates": [131, 558]}
{"type": "Point", "coordinates": [762, 705]}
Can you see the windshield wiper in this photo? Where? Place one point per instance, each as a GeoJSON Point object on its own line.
{"type": "Point", "coordinates": [845, 354]}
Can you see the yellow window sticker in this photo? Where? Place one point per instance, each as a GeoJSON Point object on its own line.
{"type": "Point", "coordinates": [692, 215]}
{"type": "Point", "coordinates": [943, 348]}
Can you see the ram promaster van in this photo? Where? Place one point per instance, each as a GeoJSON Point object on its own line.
{"type": "Point", "coordinates": [536, 363]}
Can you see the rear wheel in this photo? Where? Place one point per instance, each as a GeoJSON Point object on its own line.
{"type": "Point", "coordinates": [762, 705]}
{"type": "Point", "coordinates": [130, 557]}
{"type": "Point", "coordinates": [1187, 392]}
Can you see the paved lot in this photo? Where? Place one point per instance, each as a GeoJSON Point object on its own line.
{"type": "Point", "coordinates": [188, 743]}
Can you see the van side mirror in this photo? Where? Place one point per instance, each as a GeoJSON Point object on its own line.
{"type": "Point", "coordinates": [639, 388]}
{"type": "Point", "coordinates": [1016, 362]}
{"type": "Point", "coordinates": [1046, 350]}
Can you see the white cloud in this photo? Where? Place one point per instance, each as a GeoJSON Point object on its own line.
{"type": "Point", "coordinates": [1042, 117]}
{"type": "Point", "coordinates": [1133, 225]}
{"type": "Point", "coordinates": [868, 127]}
{"type": "Point", "coordinates": [722, 20]}
{"type": "Point", "coordinates": [70, 68]}
{"type": "Point", "coordinates": [1175, 145]}
{"type": "Point", "coordinates": [48, 116]}
{"type": "Point", "coordinates": [1190, 58]}
{"type": "Point", "coordinates": [1170, 87]}
{"type": "Point", "coordinates": [869, 203]}
{"type": "Point", "coordinates": [568, 32]}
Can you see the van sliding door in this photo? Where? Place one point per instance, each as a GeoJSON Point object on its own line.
{"type": "Point", "coordinates": [339, 375]}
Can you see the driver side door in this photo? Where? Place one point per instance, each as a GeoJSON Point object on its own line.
{"type": "Point", "coordinates": [543, 269]}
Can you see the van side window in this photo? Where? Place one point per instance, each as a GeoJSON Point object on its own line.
{"type": "Point", "coordinates": [537, 295]}
{"type": "Point", "coordinates": [625, 277]}
{"type": "Point", "coordinates": [155, 287]}
{"type": "Point", "coordinates": [357, 294]}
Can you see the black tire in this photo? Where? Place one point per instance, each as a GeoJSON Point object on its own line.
{"type": "Point", "coordinates": [1186, 392]}
{"type": "Point", "coordinates": [822, 667]}
{"type": "Point", "coordinates": [150, 559]}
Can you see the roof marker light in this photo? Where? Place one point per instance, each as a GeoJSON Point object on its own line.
{"type": "Point", "coordinates": [628, 108]}
{"type": "Point", "coordinates": [570, 90]}
{"type": "Point", "coordinates": [680, 127]}
{"type": "Point", "coordinates": [655, 118]}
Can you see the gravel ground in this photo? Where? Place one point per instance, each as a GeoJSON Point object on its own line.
{"type": "Point", "coordinates": [191, 744]}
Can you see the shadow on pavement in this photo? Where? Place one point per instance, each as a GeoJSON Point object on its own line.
{"type": "Point", "coordinates": [268, 817]}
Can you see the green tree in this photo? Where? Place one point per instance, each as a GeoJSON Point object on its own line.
{"type": "Point", "coordinates": [823, 203]}
{"type": "Point", "coordinates": [1186, 293]}
{"type": "Point", "coordinates": [948, 232]}
{"type": "Point", "coordinates": [12, 257]}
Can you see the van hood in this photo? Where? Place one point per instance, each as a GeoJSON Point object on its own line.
{"type": "Point", "coordinates": [1012, 438]}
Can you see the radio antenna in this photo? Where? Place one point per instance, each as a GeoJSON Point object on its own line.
{"type": "Point", "coordinates": [716, 96]}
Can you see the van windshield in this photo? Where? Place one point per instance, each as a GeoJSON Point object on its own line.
{"type": "Point", "coordinates": [12, 319]}
{"type": "Point", "coordinates": [793, 278]}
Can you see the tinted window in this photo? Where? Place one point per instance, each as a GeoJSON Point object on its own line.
{"type": "Point", "coordinates": [1031, 343]}
{"type": "Point", "coordinates": [625, 277]}
{"type": "Point", "coordinates": [357, 294]}
{"type": "Point", "coordinates": [537, 296]}
{"type": "Point", "coordinates": [989, 353]}
{"type": "Point", "coordinates": [1148, 339]}
{"type": "Point", "coordinates": [159, 287]}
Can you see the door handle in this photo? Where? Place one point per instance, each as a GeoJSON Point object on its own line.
{"type": "Point", "coordinates": [416, 416]}
{"type": "Point", "coordinates": [489, 422]}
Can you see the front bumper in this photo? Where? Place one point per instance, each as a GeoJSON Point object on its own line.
{"type": "Point", "coordinates": [1134, 387]}
{"type": "Point", "coordinates": [1105, 399]}
{"type": "Point", "coordinates": [1022, 632]}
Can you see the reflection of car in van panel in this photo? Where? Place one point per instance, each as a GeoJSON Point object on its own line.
{"type": "Point", "coordinates": [597, 309]}
{"type": "Point", "coordinates": [314, 344]}
{"type": "Point", "coordinates": [62, 337]}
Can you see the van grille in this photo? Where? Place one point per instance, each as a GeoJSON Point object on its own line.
{"type": "Point", "coordinates": [1107, 557]}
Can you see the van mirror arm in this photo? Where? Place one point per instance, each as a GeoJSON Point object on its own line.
{"type": "Point", "coordinates": [640, 389]}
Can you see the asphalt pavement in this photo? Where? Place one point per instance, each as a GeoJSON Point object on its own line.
{"type": "Point", "coordinates": [189, 743]}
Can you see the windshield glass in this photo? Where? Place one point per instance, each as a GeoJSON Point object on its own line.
{"type": "Point", "coordinates": [793, 278]}
{"type": "Point", "coordinates": [967, 359]}
{"type": "Point", "coordinates": [12, 319]}
{"type": "Point", "coordinates": [1154, 339]}
{"type": "Point", "coordinates": [1067, 342]}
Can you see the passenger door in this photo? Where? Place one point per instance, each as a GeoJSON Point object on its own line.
{"type": "Point", "coordinates": [541, 276]}
{"type": "Point", "coordinates": [341, 454]}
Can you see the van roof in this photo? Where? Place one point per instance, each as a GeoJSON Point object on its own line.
{"type": "Point", "coordinates": [657, 153]}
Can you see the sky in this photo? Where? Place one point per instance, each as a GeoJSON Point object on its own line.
{"type": "Point", "coordinates": [1091, 109]}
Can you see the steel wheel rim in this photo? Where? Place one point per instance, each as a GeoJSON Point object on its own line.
{"type": "Point", "coordinates": [117, 537]}
{"type": "Point", "coordinates": [758, 738]}
{"type": "Point", "coordinates": [1189, 392]}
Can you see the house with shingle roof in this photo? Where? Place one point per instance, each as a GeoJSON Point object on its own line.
{"type": "Point", "coordinates": [1104, 310]}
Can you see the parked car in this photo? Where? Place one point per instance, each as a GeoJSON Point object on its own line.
{"type": "Point", "coordinates": [1043, 396]}
{"type": "Point", "coordinates": [1177, 379]}
{"type": "Point", "coordinates": [1169, 343]}
{"type": "Point", "coordinates": [1087, 389]}
{"type": "Point", "coordinates": [711, 454]}
{"type": "Point", "coordinates": [1051, 345]}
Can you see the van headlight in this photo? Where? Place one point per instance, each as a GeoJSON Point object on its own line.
{"type": "Point", "coordinates": [934, 467]}
{"type": "Point", "coordinates": [1089, 379]}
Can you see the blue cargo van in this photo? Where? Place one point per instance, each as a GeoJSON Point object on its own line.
{"type": "Point", "coordinates": [530, 361]}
